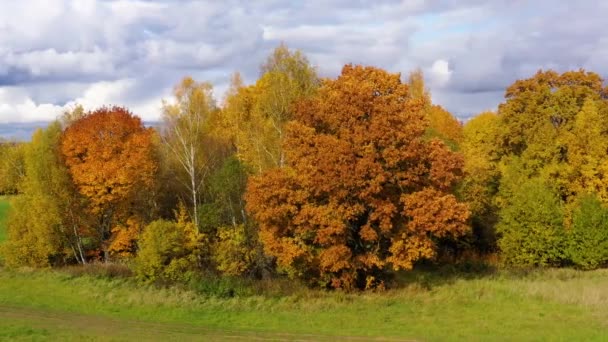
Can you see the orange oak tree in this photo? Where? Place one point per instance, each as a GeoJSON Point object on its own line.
{"type": "Point", "coordinates": [364, 191]}
{"type": "Point", "coordinates": [109, 156]}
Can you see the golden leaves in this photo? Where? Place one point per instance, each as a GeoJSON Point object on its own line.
{"type": "Point", "coordinates": [361, 188]}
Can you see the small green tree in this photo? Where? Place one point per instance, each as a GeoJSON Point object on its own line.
{"type": "Point", "coordinates": [531, 226]}
{"type": "Point", "coordinates": [587, 245]}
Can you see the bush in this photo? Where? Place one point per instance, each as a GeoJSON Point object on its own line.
{"type": "Point", "coordinates": [531, 226]}
{"type": "Point", "coordinates": [587, 244]}
{"type": "Point", "coordinates": [237, 251]}
{"type": "Point", "coordinates": [231, 253]}
{"type": "Point", "coordinates": [33, 237]}
{"type": "Point", "coordinates": [169, 251]}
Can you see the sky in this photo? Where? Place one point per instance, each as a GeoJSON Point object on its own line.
{"type": "Point", "coordinates": [56, 53]}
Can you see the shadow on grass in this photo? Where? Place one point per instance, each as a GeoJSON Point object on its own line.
{"type": "Point", "coordinates": [427, 275]}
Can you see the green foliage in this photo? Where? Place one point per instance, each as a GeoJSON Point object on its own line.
{"type": "Point", "coordinates": [587, 245]}
{"type": "Point", "coordinates": [4, 207]}
{"type": "Point", "coordinates": [169, 251]}
{"type": "Point", "coordinates": [223, 286]}
{"type": "Point", "coordinates": [225, 205]}
{"type": "Point", "coordinates": [531, 226]}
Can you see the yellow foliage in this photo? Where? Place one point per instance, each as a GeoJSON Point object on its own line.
{"type": "Point", "coordinates": [231, 252]}
{"type": "Point", "coordinates": [255, 115]}
{"type": "Point", "coordinates": [170, 251]}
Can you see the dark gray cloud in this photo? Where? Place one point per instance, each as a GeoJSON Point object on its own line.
{"type": "Point", "coordinates": [54, 53]}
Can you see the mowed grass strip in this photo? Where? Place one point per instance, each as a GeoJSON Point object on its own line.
{"type": "Point", "coordinates": [427, 307]}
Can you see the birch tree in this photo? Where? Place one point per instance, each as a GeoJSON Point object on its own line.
{"type": "Point", "coordinates": [186, 120]}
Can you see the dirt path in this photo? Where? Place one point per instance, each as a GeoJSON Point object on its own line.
{"type": "Point", "coordinates": [104, 328]}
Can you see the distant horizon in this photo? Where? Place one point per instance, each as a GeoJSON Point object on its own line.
{"type": "Point", "coordinates": [23, 131]}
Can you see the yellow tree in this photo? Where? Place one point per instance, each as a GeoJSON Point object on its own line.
{"type": "Point", "coordinates": [442, 124]}
{"type": "Point", "coordinates": [480, 149]}
{"type": "Point", "coordinates": [46, 224]}
{"type": "Point", "coordinates": [587, 162]}
{"type": "Point", "coordinates": [11, 166]}
{"type": "Point", "coordinates": [555, 124]}
{"type": "Point", "coordinates": [256, 115]}
{"type": "Point", "coordinates": [187, 124]}
{"type": "Point", "coordinates": [480, 146]}
{"type": "Point", "coordinates": [363, 191]}
{"type": "Point", "coordinates": [418, 89]}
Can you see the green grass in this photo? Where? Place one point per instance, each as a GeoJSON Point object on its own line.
{"type": "Point", "coordinates": [4, 206]}
{"type": "Point", "coordinates": [437, 306]}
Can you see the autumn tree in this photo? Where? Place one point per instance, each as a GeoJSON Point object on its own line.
{"type": "Point", "coordinates": [187, 123]}
{"type": "Point", "coordinates": [418, 89]}
{"type": "Point", "coordinates": [551, 128]}
{"type": "Point", "coordinates": [256, 115]}
{"type": "Point", "coordinates": [585, 171]}
{"type": "Point", "coordinates": [363, 190]}
{"type": "Point", "coordinates": [169, 250]}
{"type": "Point", "coordinates": [441, 123]}
{"type": "Point", "coordinates": [12, 167]}
{"type": "Point", "coordinates": [480, 146]}
{"type": "Point", "coordinates": [109, 157]}
{"type": "Point", "coordinates": [546, 116]}
{"type": "Point", "coordinates": [46, 224]}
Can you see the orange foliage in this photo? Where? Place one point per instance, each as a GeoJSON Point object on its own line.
{"type": "Point", "coordinates": [108, 153]}
{"type": "Point", "coordinates": [363, 191]}
{"type": "Point", "coordinates": [124, 237]}
{"type": "Point", "coordinates": [109, 156]}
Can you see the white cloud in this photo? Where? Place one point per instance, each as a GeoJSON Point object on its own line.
{"type": "Point", "coordinates": [17, 106]}
{"type": "Point", "coordinates": [440, 73]}
{"type": "Point", "coordinates": [54, 53]}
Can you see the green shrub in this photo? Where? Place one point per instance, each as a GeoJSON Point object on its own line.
{"type": "Point", "coordinates": [531, 226]}
{"type": "Point", "coordinates": [587, 244]}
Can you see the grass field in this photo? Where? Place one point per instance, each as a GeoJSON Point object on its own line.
{"type": "Point", "coordinates": [4, 205]}
{"type": "Point", "coordinates": [535, 306]}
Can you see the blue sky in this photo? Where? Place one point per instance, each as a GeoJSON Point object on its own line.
{"type": "Point", "coordinates": [55, 53]}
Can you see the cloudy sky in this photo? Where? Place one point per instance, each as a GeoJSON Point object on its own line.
{"type": "Point", "coordinates": [54, 53]}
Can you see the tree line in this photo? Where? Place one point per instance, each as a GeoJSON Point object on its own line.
{"type": "Point", "coordinates": [337, 182]}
